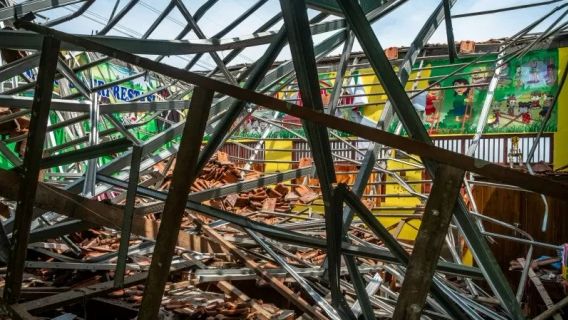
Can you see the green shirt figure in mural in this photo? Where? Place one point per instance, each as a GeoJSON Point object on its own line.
{"type": "Point", "coordinates": [459, 105]}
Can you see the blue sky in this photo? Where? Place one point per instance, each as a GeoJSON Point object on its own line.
{"type": "Point", "coordinates": [396, 29]}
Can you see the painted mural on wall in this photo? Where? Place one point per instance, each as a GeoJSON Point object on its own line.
{"type": "Point", "coordinates": [524, 94]}
{"type": "Point", "coordinates": [126, 91]}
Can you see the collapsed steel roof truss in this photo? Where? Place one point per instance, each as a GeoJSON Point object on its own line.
{"type": "Point", "coordinates": [218, 105]}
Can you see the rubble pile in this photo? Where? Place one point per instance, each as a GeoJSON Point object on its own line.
{"type": "Point", "coordinates": [219, 171]}
{"type": "Point", "coordinates": [218, 262]}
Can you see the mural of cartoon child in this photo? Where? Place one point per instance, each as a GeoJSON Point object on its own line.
{"type": "Point", "coordinates": [479, 75]}
{"type": "Point", "coordinates": [511, 104]}
{"type": "Point", "coordinates": [347, 99]}
{"type": "Point", "coordinates": [550, 73]}
{"type": "Point", "coordinates": [419, 103]}
{"type": "Point", "coordinates": [535, 99]}
{"type": "Point", "coordinates": [324, 92]}
{"type": "Point", "coordinates": [434, 101]}
{"type": "Point", "coordinates": [524, 110]}
{"type": "Point", "coordinates": [546, 105]}
{"type": "Point", "coordinates": [496, 109]}
{"type": "Point", "coordinates": [534, 78]}
{"type": "Point", "coordinates": [461, 100]}
{"type": "Point", "coordinates": [521, 96]}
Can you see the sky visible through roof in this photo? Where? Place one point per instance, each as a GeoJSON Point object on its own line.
{"type": "Point", "coordinates": [396, 29]}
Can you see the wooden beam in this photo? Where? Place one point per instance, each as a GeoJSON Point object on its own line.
{"type": "Point", "coordinates": [231, 290]}
{"type": "Point", "coordinates": [428, 244]}
{"type": "Point", "coordinates": [541, 290]}
{"type": "Point", "coordinates": [552, 310]}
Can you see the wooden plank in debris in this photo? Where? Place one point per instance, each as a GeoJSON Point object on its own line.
{"type": "Point", "coordinates": [275, 283]}
{"type": "Point", "coordinates": [540, 288]}
{"type": "Point", "coordinates": [552, 310]}
{"type": "Point", "coordinates": [17, 312]}
{"type": "Point", "coordinates": [230, 289]}
{"type": "Point", "coordinates": [428, 244]}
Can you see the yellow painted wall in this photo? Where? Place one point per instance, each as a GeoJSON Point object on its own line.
{"type": "Point", "coordinates": [409, 231]}
{"type": "Point", "coordinates": [374, 111]}
{"type": "Point", "coordinates": [561, 136]}
{"type": "Point", "coordinates": [278, 155]}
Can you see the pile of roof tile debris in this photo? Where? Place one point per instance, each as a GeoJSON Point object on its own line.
{"type": "Point", "coordinates": [87, 258]}
{"type": "Point", "coordinates": [58, 269]}
{"type": "Point", "coordinates": [183, 301]}
{"type": "Point", "coordinates": [234, 278]}
{"type": "Point", "coordinates": [219, 171]}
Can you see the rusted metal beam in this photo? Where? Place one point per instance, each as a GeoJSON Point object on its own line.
{"type": "Point", "coordinates": [184, 174]}
{"type": "Point", "coordinates": [429, 242]}
{"type": "Point", "coordinates": [31, 169]}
